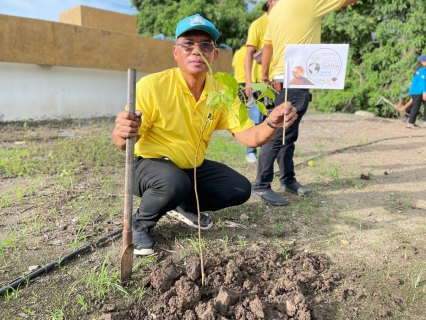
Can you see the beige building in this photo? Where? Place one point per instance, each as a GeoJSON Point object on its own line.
{"type": "Point", "coordinates": [76, 68]}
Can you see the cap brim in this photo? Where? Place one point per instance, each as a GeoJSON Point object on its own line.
{"type": "Point", "coordinates": [211, 31]}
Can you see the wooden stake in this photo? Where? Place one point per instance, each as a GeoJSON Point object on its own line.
{"type": "Point", "coordinates": [285, 96]}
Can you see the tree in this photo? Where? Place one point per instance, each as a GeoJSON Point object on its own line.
{"type": "Point", "coordinates": [385, 39]}
{"type": "Point", "coordinates": [230, 17]}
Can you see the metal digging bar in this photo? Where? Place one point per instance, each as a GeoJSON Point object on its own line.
{"type": "Point", "coordinates": [128, 247]}
{"type": "Point", "coordinates": [32, 275]}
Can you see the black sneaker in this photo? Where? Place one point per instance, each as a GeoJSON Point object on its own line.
{"type": "Point", "coordinates": [269, 196]}
{"type": "Point", "coordinates": [144, 245]}
{"type": "Point", "coordinates": [191, 219]}
{"type": "Point", "coordinates": [296, 188]}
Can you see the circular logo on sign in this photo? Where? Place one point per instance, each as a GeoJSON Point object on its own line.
{"type": "Point", "coordinates": [323, 66]}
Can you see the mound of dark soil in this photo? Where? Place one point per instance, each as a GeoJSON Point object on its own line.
{"type": "Point", "coordinates": [243, 285]}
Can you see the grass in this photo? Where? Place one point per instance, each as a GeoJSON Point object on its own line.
{"type": "Point", "coordinates": [98, 285]}
{"type": "Point", "coordinates": [224, 149]}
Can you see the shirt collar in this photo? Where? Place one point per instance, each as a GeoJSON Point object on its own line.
{"type": "Point", "coordinates": [184, 86]}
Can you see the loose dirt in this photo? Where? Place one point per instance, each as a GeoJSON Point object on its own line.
{"type": "Point", "coordinates": [251, 284]}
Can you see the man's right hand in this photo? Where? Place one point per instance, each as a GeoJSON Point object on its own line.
{"type": "Point", "coordinates": [126, 126]}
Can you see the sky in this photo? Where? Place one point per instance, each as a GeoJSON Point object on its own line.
{"type": "Point", "coordinates": [50, 9]}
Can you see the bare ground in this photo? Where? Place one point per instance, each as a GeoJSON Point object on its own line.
{"type": "Point", "coordinates": [355, 250]}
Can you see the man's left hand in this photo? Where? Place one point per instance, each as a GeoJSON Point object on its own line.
{"type": "Point", "coordinates": [276, 117]}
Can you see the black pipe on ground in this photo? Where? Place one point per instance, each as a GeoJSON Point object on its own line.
{"type": "Point", "coordinates": [32, 275]}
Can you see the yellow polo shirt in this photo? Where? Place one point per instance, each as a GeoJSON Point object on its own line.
{"type": "Point", "coordinates": [172, 120]}
{"type": "Point", "coordinates": [238, 63]}
{"type": "Point", "coordinates": [255, 38]}
{"type": "Point", "coordinates": [296, 22]}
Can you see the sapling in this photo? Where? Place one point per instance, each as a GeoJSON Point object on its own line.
{"type": "Point", "coordinates": [219, 101]}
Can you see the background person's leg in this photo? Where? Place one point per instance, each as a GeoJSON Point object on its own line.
{"type": "Point", "coordinates": [415, 107]}
{"type": "Point", "coordinates": [257, 118]}
{"type": "Point", "coordinates": [300, 100]}
{"type": "Point", "coordinates": [265, 165]}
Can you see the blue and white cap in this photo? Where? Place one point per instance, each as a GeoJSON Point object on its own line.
{"type": "Point", "coordinates": [197, 22]}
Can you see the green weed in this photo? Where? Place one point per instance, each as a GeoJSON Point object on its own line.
{"type": "Point", "coordinates": [195, 244]}
{"type": "Point", "coordinates": [241, 240]}
{"type": "Point", "coordinates": [82, 303]}
{"type": "Point", "coordinates": [418, 279]}
{"type": "Point", "coordinates": [102, 283]}
{"type": "Point", "coordinates": [5, 201]}
{"type": "Point", "coordinates": [28, 311]}
{"type": "Point", "coordinates": [57, 314]}
{"type": "Point", "coordinates": [12, 293]}
{"type": "Point", "coordinates": [284, 253]}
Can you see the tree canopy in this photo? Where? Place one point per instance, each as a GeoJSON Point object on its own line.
{"type": "Point", "coordinates": [385, 38]}
{"type": "Point", "coordinates": [231, 17]}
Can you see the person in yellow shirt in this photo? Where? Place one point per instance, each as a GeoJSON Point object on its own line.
{"type": "Point", "coordinates": [291, 22]}
{"type": "Point", "coordinates": [253, 69]}
{"type": "Point", "coordinates": [170, 113]}
{"type": "Point", "coordinates": [238, 66]}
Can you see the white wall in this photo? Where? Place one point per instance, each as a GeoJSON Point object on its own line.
{"type": "Point", "coordinates": [36, 92]}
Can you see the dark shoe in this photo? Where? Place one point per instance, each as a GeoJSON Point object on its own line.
{"type": "Point", "coordinates": [296, 188]}
{"type": "Point", "coordinates": [413, 126]}
{"type": "Point", "coordinates": [144, 245]}
{"type": "Point", "coordinates": [191, 219]}
{"type": "Point", "coordinates": [269, 196]}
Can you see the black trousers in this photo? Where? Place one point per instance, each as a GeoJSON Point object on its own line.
{"type": "Point", "coordinates": [415, 108]}
{"type": "Point", "coordinates": [275, 150]}
{"type": "Point", "coordinates": [163, 186]}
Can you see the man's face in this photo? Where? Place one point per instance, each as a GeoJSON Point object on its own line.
{"type": "Point", "coordinates": [187, 52]}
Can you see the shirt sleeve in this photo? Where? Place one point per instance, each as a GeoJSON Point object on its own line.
{"type": "Point", "coordinates": [324, 7]}
{"type": "Point", "coordinates": [253, 38]}
{"type": "Point", "coordinates": [267, 36]}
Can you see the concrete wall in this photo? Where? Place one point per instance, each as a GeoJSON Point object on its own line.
{"type": "Point", "coordinates": [63, 63]}
{"type": "Point", "coordinates": [36, 92]}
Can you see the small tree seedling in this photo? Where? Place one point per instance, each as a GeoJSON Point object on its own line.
{"type": "Point", "coordinates": [220, 101]}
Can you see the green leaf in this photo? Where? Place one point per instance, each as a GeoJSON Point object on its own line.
{"type": "Point", "coordinates": [270, 94]}
{"type": "Point", "coordinates": [243, 114]}
{"type": "Point", "coordinates": [213, 100]}
{"type": "Point", "coordinates": [228, 80]}
{"type": "Point", "coordinates": [263, 87]}
{"type": "Point", "coordinates": [262, 108]}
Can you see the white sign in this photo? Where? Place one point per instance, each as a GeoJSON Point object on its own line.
{"type": "Point", "coordinates": [315, 66]}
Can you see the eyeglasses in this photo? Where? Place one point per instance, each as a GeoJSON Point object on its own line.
{"type": "Point", "coordinates": [205, 47]}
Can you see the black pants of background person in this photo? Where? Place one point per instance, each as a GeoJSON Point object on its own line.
{"type": "Point", "coordinates": [163, 186]}
{"type": "Point", "coordinates": [275, 150]}
{"type": "Point", "coordinates": [415, 108]}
